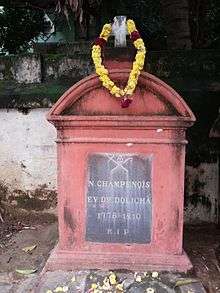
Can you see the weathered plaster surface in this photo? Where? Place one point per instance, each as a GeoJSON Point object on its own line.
{"type": "Point", "coordinates": [66, 67]}
{"type": "Point", "coordinates": [202, 193]}
{"type": "Point", "coordinates": [28, 162]}
{"type": "Point", "coordinates": [27, 70]}
{"type": "Point", "coordinates": [27, 150]}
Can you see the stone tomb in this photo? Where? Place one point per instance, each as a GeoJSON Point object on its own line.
{"type": "Point", "coordinates": [120, 176]}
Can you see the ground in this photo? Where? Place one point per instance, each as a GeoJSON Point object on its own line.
{"type": "Point", "coordinates": [202, 243]}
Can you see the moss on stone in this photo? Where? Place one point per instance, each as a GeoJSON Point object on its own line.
{"type": "Point", "coordinates": [54, 57]}
{"type": "Point", "coordinates": [14, 95]}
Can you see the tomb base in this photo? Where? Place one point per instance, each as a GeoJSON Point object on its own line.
{"type": "Point", "coordinates": [69, 260]}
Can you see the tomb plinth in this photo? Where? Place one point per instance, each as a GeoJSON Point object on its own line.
{"type": "Point", "coordinates": [120, 176]}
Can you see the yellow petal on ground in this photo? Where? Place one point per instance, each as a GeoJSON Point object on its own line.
{"type": "Point", "coordinates": [58, 289]}
{"type": "Point", "coordinates": [112, 279]}
{"type": "Point", "coordinates": [49, 291]}
{"type": "Point", "coordinates": [155, 275]}
{"type": "Point", "coordinates": [120, 287]}
{"type": "Point", "coordinates": [29, 248]}
{"type": "Point", "coordinates": [65, 288]}
{"type": "Point", "coordinates": [106, 284]}
{"type": "Point", "coordinates": [73, 279]}
{"type": "Point", "coordinates": [138, 279]}
{"type": "Point", "coordinates": [94, 286]}
{"type": "Point", "coordinates": [185, 282]}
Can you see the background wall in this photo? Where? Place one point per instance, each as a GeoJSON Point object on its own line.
{"type": "Point", "coordinates": [30, 84]}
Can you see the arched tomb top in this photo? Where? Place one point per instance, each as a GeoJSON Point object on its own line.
{"type": "Point", "coordinates": [152, 98]}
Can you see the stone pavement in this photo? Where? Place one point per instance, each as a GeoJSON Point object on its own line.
{"type": "Point", "coordinates": [95, 281]}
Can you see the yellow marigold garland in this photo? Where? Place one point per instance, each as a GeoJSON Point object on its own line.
{"type": "Point", "coordinates": [138, 64]}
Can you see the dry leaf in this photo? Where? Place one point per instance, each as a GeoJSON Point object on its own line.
{"type": "Point", "coordinates": [29, 248]}
{"type": "Point", "coordinates": [185, 282]}
{"type": "Point", "coordinates": [26, 272]}
{"type": "Point", "coordinates": [120, 287]}
{"type": "Point", "coordinates": [106, 284]}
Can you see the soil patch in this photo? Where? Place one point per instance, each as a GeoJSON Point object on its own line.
{"type": "Point", "coordinates": [202, 244]}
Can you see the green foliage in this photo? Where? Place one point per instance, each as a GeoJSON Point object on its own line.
{"type": "Point", "coordinates": [18, 26]}
{"type": "Point", "coordinates": [214, 23]}
{"type": "Point", "coordinates": [146, 15]}
{"type": "Point", "coordinates": [204, 20]}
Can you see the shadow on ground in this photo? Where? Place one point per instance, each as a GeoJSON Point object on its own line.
{"type": "Point", "coordinates": [202, 243]}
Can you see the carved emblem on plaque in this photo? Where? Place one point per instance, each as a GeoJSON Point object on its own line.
{"type": "Point", "coordinates": [119, 198]}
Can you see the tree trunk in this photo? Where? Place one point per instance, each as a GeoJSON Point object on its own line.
{"type": "Point", "coordinates": [176, 18]}
{"type": "Point", "coordinates": [198, 21]}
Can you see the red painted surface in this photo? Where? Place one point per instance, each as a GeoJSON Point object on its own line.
{"type": "Point", "coordinates": [89, 120]}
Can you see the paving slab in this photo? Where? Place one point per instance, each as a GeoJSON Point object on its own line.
{"type": "Point", "coordinates": [97, 281]}
{"type": "Point", "coordinates": [191, 288]}
{"type": "Point", "coordinates": [131, 282]}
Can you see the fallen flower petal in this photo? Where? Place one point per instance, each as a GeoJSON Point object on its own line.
{"type": "Point", "coordinates": [112, 279]}
{"type": "Point", "coordinates": [150, 290]}
{"type": "Point", "coordinates": [155, 275]}
{"type": "Point", "coordinates": [94, 286]}
{"type": "Point", "coordinates": [58, 289]}
{"type": "Point", "coordinates": [120, 287]}
{"type": "Point", "coordinates": [138, 279]}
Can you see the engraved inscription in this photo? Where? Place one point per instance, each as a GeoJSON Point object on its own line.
{"type": "Point", "coordinates": [119, 208]}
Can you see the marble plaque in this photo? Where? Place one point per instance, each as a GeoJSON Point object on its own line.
{"type": "Point", "coordinates": [119, 198]}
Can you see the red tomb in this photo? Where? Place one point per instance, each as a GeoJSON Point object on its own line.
{"type": "Point", "coordinates": [120, 176]}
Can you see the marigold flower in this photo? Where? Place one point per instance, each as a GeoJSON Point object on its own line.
{"type": "Point", "coordinates": [138, 64]}
{"type": "Point", "coordinates": [106, 30]}
{"type": "Point", "coordinates": [126, 102]}
{"type": "Point", "coordinates": [131, 26]}
{"type": "Point", "coordinates": [100, 41]}
{"type": "Point", "coordinates": [101, 70]}
{"type": "Point", "coordinates": [134, 36]}
{"type": "Point", "coordinates": [139, 44]}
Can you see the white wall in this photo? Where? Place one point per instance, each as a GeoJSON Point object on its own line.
{"type": "Point", "coordinates": [27, 150]}
{"type": "Point", "coordinates": [28, 161]}
{"type": "Point", "coordinates": [206, 177]}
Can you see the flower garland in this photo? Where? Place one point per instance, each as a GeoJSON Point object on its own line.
{"type": "Point", "coordinates": [138, 64]}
